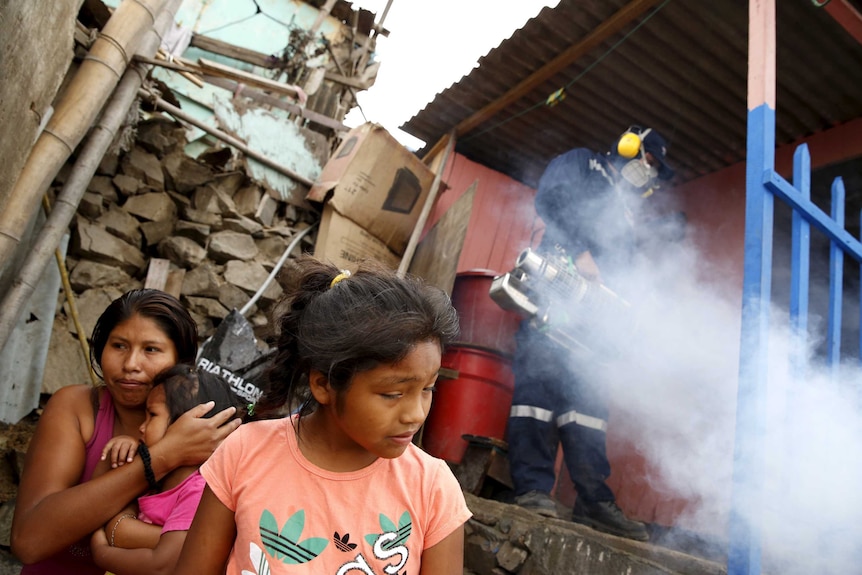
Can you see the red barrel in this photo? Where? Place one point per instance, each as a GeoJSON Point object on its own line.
{"type": "Point", "coordinates": [483, 322]}
{"type": "Point", "coordinates": [477, 402]}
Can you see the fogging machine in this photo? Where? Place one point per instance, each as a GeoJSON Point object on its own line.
{"type": "Point", "coordinates": [576, 313]}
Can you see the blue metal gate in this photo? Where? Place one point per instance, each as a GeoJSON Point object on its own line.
{"type": "Point", "coordinates": [763, 185]}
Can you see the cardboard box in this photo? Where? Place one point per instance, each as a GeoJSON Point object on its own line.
{"type": "Point", "coordinates": [345, 243]}
{"type": "Point", "coordinates": [376, 183]}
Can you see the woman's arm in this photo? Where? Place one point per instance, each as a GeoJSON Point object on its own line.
{"type": "Point", "coordinates": [53, 511]}
{"type": "Point", "coordinates": [445, 558]}
{"type": "Point", "coordinates": [144, 561]}
{"type": "Point", "coordinates": [209, 540]}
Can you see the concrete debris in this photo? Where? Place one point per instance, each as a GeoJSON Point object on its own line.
{"type": "Point", "coordinates": [219, 227]}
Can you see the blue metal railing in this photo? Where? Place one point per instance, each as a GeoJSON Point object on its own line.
{"type": "Point", "coordinates": [763, 185]}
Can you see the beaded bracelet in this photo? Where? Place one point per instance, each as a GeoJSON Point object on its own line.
{"type": "Point", "coordinates": [117, 524]}
{"type": "Point", "coordinates": [144, 452]}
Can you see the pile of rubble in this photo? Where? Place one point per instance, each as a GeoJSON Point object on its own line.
{"type": "Point", "coordinates": [221, 232]}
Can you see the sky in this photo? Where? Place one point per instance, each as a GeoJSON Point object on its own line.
{"type": "Point", "coordinates": [432, 45]}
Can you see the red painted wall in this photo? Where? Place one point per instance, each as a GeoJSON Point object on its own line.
{"type": "Point", "coordinates": [501, 222]}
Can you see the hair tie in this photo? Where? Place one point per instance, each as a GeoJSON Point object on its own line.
{"type": "Point", "coordinates": [342, 276]}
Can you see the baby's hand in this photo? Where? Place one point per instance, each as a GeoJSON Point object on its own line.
{"type": "Point", "coordinates": [122, 449]}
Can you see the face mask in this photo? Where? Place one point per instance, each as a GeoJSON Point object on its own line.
{"type": "Point", "coordinates": [638, 173]}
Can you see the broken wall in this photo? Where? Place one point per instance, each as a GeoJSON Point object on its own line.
{"type": "Point", "coordinates": [36, 48]}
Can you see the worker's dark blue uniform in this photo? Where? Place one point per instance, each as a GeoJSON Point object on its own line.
{"type": "Point", "coordinates": [586, 202]}
{"type": "Point", "coordinates": [555, 399]}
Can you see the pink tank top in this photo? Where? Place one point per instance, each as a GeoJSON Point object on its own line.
{"type": "Point", "coordinates": [76, 560]}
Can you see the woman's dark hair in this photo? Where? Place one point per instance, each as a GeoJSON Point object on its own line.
{"type": "Point", "coordinates": [161, 307]}
{"type": "Point", "coordinates": [186, 387]}
{"type": "Point", "coordinates": [371, 318]}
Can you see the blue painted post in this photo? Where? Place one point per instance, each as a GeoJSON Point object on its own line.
{"type": "Point", "coordinates": [748, 461]}
{"type": "Point", "coordinates": [836, 282]}
{"type": "Point", "coordinates": [744, 531]}
{"type": "Point", "coordinates": [800, 261]}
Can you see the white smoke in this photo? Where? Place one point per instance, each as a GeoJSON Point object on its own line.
{"type": "Point", "coordinates": [673, 393]}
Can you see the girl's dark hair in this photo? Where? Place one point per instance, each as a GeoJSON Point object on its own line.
{"type": "Point", "coordinates": [161, 307]}
{"type": "Point", "coordinates": [371, 318]}
{"type": "Point", "coordinates": [186, 387]}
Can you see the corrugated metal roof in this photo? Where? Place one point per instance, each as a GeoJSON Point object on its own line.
{"type": "Point", "coordinates": [679, 66]}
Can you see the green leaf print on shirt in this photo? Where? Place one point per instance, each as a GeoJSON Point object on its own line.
{"type": "Point", "coordinates": [402, 531]}
{"type": "Point", "coordinates": [284, 544]}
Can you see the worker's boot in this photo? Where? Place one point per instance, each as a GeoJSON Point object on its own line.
{"type": "Point", "coordinates": [538, 502]}
{"type": "Point", "coordinates": [606, 516]}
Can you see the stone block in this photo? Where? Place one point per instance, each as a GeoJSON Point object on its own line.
{"type": "Point", "coordinates": [266, 208]}
{"type": "Point", "coordinates": [247, 199]}
{"type": "Point", "coordinates": [271, 249]}
{"type": "Point", "coordinates": [143, 166]}
{"type": "Point", "coordinates": [123, 225]}
{"type": "Point", "coordinates": [233, 297]}
{"type": "Point", "coordinates": [108, 165]}
{"type": "Point", "coordinates": [152, 207]}
{"type": "Point", "coordinates": [206, 307]}
{"type": "Point", "coordinates": [154, 232]}
{"type": "Point", "coordinates": [201, 217]}
{"type": "Point", "coordinates": [90, 305]}
{"type": "Point", "coordinates": [227, 245]}
{"type": "Point", "coordinates": [183, 252]}
{"type": "Point", "coordinates": [102, 185]}
{"type": "Point", "coordinates": [202, 280]}
{"type": "Point", "coordinates": [66, 363]}
{"type": "Point", "coordinates": [127, 185]}
{"type": "Point", "coordinates": [249, 277]}
{"type": "Point", "coordinates": [91, 205]}
{"type": "Point", "coordinates": [185, 173]}
{"type": "Point", "coordinates": [89, 274]}
{"type": "Point", "coordinates": [243, 225]}
{"type": "Point", "coordinates": [192, 230]}
{"type": "Point", "coordinates": [157, 136]}
{"type": "Point", "coordinates": [229, 182]}
{"type": "Point", "coordinates": [91, 241]}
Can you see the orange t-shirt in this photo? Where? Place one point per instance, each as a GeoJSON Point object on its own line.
{"type": "Point", "coordinates": [299, 518]}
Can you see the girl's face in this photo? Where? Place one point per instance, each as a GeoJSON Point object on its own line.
{"type": "Point", "coordinates": [383, 408]}
{"type": "Point", "coordinates": [156, 424]}
{"type": "Point", "coordinates": [136, 351]}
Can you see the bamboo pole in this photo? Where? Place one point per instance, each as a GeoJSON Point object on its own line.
{"type": "Point", "coordinates": [70, 299]}
{"type": "Point", "coordinates": [70, 196]}
{"type": "Point", "coordinates": [74, 114]}
{"type": "Point", "coordinates": [426, 209]}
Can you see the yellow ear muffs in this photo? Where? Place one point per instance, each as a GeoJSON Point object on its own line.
{"type": "Point", "coordinates": [629, 145]}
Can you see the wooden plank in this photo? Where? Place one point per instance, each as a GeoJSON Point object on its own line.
{"type": "Point", "coordinates": [349, 82]}
{"type": "Point", "coordinates": [174, 283]}
{"type": "Point", "coordinates": [252, 79]}
{"type": "Point", "coordinates": [436, 257]}
{"type": "Point", "coordinates": [244, 54]}
{"type": "Point", "coordinates": [157, 274]}
{"type": "Point", "coordinates": [232, 51]}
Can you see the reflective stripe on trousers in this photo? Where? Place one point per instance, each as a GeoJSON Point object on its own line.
{"type": "Point", "coordinates": [547, 416]}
